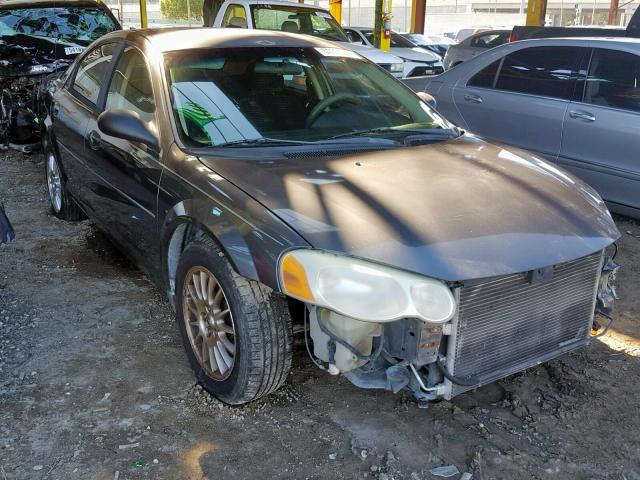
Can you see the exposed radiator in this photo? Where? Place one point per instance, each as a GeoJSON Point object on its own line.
{"type": "Point", "coordinates": [507, 324]}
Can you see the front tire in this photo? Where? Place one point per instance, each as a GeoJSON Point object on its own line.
{"type": "Point", "coordinates": [236, 332]}
{"type": "Point", "coordinates": [63, 205]}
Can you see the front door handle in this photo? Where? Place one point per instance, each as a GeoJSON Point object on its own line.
{"type": "Point", "coordinates": [94, 140]}
{"type": "Point", "coordinates": [472, 97]}
{"type": "Point", "coordinates": [582, 115]}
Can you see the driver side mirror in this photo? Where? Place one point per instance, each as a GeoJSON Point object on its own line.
{"type": "Point", "coordinates": [428, 99]}
{"type": "Point", "coordinates": [127, 125]}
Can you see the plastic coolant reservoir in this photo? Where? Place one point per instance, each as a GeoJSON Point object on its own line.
{"type": "Point", "coordinates": [356, 333]}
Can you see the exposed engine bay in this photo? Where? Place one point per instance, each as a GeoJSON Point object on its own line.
{"type": "Point", "coordinates": [37, 44]}
{"type": "Point", "coordinates": [501, 326]}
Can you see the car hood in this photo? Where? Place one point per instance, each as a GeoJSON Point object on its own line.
{"type": "Point", "coordinates": [454, 210]}
{"type": "Point", "coordinates": [33, 55]}
{"type": "Point", "coordinates": [416, 53]}
{"type": "Point", "coordinates": [372, 54]}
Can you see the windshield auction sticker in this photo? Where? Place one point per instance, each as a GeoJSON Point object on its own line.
{"type": "Point", "coordinates": [336, 52]}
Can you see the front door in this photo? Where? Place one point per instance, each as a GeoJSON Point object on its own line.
{"type": "Point", "coordinates": [601, 142]}
{"type": "Point", "coordinates": [130, 171]}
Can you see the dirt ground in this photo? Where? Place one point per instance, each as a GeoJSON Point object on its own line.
{"type": "Point", "coordinates": [94, 384]}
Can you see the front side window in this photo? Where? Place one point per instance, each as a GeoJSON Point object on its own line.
{"type": "Point", "coordinates": [542, 71]}
{"type": "Point", "coordinates": [294, 19]}
{"type": "Point", "coordinates": [130, 87]}
{"type": "Point", "coordinates": [91, 71]}
{"type": "Point", "coordinates": [235, 17]}
{"type": "Point", "coordinates": [298, 94]}
{"type": "Point", "coordinates": [614, 80]}
{"type": "Point", "coordinates": [63, 23]}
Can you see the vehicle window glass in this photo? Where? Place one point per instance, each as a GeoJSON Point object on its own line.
{"type": "Point", "coordinates": [91, 71]}
{"type": "Point", "coordinates": [226, 95]}
{"type": "Point", "coordinates": [614, 80]}
{"type": "Point", "coordinates": [294, 19]}
{"type": "Point", "coordinates": [130, 87]}
{"type": "Point", "coordinates": [543, 71]}
{"type": "Point", "coordinates": [489, 41]}
{"type": "Point", "coordinates": [485, 77]}
{"type": "Point", "coordinates": [64, 23]}
{"type": "Point", "coordinates": [353, 36]}
{"type": "Point", "coordinates": [235, 17]}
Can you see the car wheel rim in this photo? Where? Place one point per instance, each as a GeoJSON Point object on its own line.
{"type": "Point", "coordinates": [55, 183]}
{"type": "Point", "coordinates": [209, 323]}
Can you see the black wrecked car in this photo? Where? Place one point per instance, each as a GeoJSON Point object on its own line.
{"type": "Point", "coordinates": [39, 39]}
{"type": "Point", "coordinates": [264, 179]}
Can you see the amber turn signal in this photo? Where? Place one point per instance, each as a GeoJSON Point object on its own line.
{"type": "Point", "coordinates": [294, 279]}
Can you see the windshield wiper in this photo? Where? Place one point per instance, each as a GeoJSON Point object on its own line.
{"type": "Point", "coordinates": [437, 132]}
{"type": "Point", "coordinates": [262, 141]}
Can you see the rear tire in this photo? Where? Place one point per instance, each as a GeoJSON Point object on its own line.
{"type": "Point", "coordinates": [63, 205]}
{"type": "Point", "coordinates": [256, 357]}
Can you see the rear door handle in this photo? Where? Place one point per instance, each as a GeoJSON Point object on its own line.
{"type": "Point", "coordinates": [94, 140]}
{"type": "Point", "coordinates": [581, 115]}
{"type": "Point", "coordinates": [472, 97]}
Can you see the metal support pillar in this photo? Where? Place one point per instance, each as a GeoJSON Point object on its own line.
{"type": "Point", "coordinates": [613, 12]}
{"type": "Point", "coordinates": [536, 12]}
{"type": "Point", "coordinates": [335, 7]}
{"type": "Point", "coordinates": [144, 21]}
{"type": "Point", "coordinates": [418, 9]}
{"type": "Point", "coordinates": [382, 27]}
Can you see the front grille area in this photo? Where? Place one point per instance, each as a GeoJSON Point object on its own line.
{"type": "Point", "coordinates": [507, 324]}
{"type": "Point", "coordinates": [426, 71]}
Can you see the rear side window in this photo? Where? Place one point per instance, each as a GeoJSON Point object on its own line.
{"type": "Point", "coordinates": [485, 77]}
{"type": "Point", "coordinates": [542, 71]}
{"type": "Point", "coordinates": [91, 72]}
{"type": "Point", "coordinates": [235, 17]}
{"type": "Point", "coordinates": [490, 40]}
{"type": "Point", "coordinates": [614, 80]}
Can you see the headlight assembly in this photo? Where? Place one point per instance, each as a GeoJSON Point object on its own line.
{"type": "Point", "coordinates": [363, 290]}
{"type": "Point", "coordinates": [397, 67]}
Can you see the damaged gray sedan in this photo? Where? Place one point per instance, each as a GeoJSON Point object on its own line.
{"type": "Point", "coordinates": [268, 181]}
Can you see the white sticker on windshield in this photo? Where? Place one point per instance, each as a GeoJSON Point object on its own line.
{"type": "Point", "coordinates": [73, 50]}
{"type": "Point", "coordinates": [336, 52]}
{"type": "Point", "coordinates": [324, 14]}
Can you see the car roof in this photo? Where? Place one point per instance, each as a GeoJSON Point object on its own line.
{"type": "Point", "coordinates": [581, 41]}
{"type": "Point", "coordinates": [7, 4]}
{"type": "Point", "coordinates": [283, 3]}
{"type": "Point", "coordinates": [187, 38]}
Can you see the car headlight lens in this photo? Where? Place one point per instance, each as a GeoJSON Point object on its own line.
{"type": "Point", "coordinates": [363, 290]}
{"type": "Point", "coordinates": [397, 67]}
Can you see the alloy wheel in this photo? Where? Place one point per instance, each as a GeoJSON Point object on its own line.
{"type": "Point", "coordinates": [209, 323]}
{"type": "Point", "coordinates": [54, 182]}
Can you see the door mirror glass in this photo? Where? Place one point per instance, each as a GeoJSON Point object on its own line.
{"type": "Point", "coordinates": [127, 125]}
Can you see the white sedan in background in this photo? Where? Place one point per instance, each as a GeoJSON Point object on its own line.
{"type": "Point", "coordinates": [418, 61]}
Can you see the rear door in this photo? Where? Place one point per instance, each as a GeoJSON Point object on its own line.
{"type": "Point", "coordinates": [521, 99]}
{"type": "Point", "coordinates": [71, 109]}
{"type": "Point", "coordinates": [601, 141]}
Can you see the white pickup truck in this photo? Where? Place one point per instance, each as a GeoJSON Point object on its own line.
{"type": "Point", "coordinates": [298, 18]}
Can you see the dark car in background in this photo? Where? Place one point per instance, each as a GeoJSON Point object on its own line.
{"type": "Point", "coordinates": [38, 40]}
{"type": "Point", "coordinates": [262, 178]}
